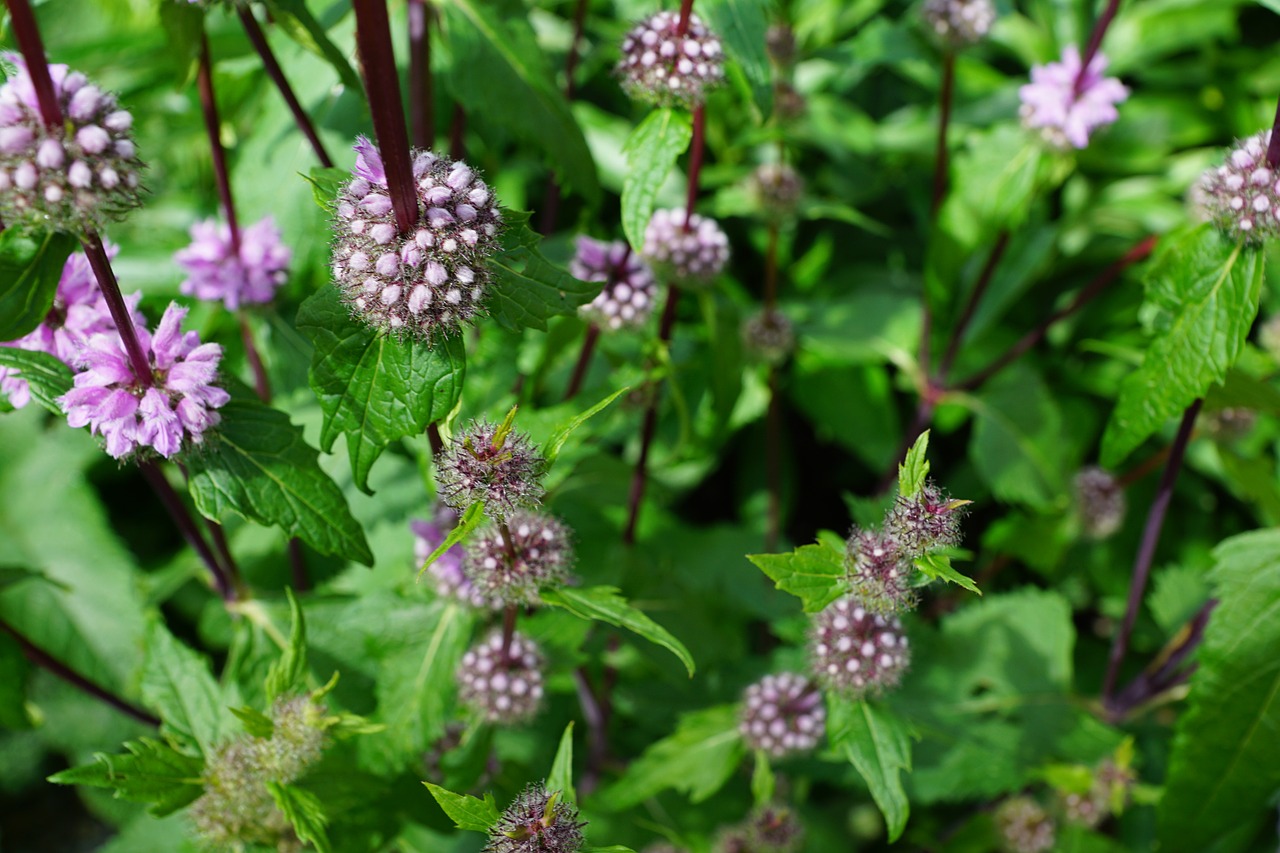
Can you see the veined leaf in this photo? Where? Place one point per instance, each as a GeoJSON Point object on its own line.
{"type": "Point", "coordinates": [466, 812]}
{"type": "Point", "coordinates": [605, 604]}
{"type": "Point", "coordinates": [552, 448]}
{"type": "Point", "coordinates": [527, 289]}
{"type": "Point", "coordinates": [45, 374]}
{"type": "Point", "coordinates": [914, 468]}
{"type": "Point", "coordinates": [878, 744]}
{"type": "Point", "coordinates": [151, 772]}
{"type": "Point", "coordinates": [742, 25]}
{"type": "Point", "coordinates": [287, 673]}
{"type": "Point", "coordinates": [561, 776]}
{"type": "Point", "coordinates": [30, 269]}
{"type": "Point", "coordinates": [305, 813]}
{"type": "Point", "coordinates": [176, 682]}
{"type": "Point", "coordinates": [299, 24]}
{"type": "Point", "coordinates": [938, 567]}
{"type": "Point", "coordinates": [652, 150]}
{"type": "Point", "coordinates": [813, 573]}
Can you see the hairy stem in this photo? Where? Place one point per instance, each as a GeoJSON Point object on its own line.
{"type": "Point", "coordinates": [32, 47]}
{"type": "Point", "coordinates": [101, 266]}
{"type": "Point", "coordinates": [422, 98]}
{"type": "Point", "coordinates": [213, 127]}
{"type": "Point", "coordinates": [945, 97]}
{"type": "Point", "coordinates": [187, 527]}
{"type": "Point", "coordinates": [640, 478]}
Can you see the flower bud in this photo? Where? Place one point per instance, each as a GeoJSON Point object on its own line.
{"type": "Point", "coordinates": [856, 652]}
{"type": "Point", "coordinates": [1100, 501]}
{"type": "Point", "coordinates": [537, 822]}
{"type": "Point", "coordinates": [925, 521]}
{"type": "Point", "coordinates": [502, 686]}
{"type": "Point", "coordinates": [1024, 826]}
{"type": "Point", "coordinates": [767, 336]}
{"type": "Point", "coordinates": [777, 189]}
{"type": "Point", "coordinates": [879, 571]}
{"type": "Point", "coordinates": [687, 256]}
{"type": "Point", "coordinates": [629, 292]}
{"type": "Point", "coordinates": [782, 714]}
{"type": "Point", "coordinates": [493, 464]}
{"type": "Point", "coordinates": [661, 66]}
{"type": "Point", "coordinates": [1242, 196]}
{"type": "Point", "coordinates": [538, 556]}
{"type": "Point", "coordinates": [959, 23]}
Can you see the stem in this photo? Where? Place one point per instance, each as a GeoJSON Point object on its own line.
{"type": "Point", "coordinates": [44, 660]}
{"type": "Point", "coordinates": [551, 203]}
{"type": "Point", "coordinates": [584, 360]}
{"type": "Point", "coordinates": [212, 126]}
{"type": "Point", "coordinates": [1273, 147]}
{"type": "Point", "coordinates": [686, 10]}
{"type": "Point", "coordinates": [458, 133]}
{"type": "Point", "coordinates": [945, 97]}
{"type": "Point", "coordinates": [1166, 671]}
{"type": "Point", "coordinates": [422, 99]}
{"type": "Point", "coordinates": [1147, 549]}
{"type": "Point", "coordinates": [921, 421]}
{"type": "Point", "coordinates": [298, 567]}
{"type": "Point", "coordinates": [382, 85]}
{"type": "Point", "coordinates": [101, 265]}
{"type": "Point", "coordinates": [640, 477]}
{"type": "Point", "coordinates": [276, 73]}
{"type": "Point", "coordinates": [771, 270]}
{"type": "Point", "coordinates": [261, 384]}
{"type": "Point", "coordinates": [187, 526]}
{"type": "Point", "coordinates": [696, 146]}
{"type": "Point", "coordinates": [509, 617]}
{"type": "Point", "coordinates": [1095, 42]}
{"type": "Point", "coordinates": [971, 307]}
{"type": "Point", "coordinates": [597, 737]}
{"type": "Point", "coordinates": [219, 537]}
{"type": "Point", "coordinates": [32, 46]}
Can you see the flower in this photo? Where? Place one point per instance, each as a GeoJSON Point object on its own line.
{"type": "Point", "coordinates": [768, 336]}
{"type": "Point", "coordinates": [688, 252]}
{"type": "Point", "coordinates": [1100, 501]}
{"type": "Point", "coordinates": [925, 521]}
{"type": "Point", "coordinates": [777, 188]}
{"type": "Point", "coordinates": [1024, 826]}
{"type": "Point", "coordinates": [73, 176]}
{"type": "Point", "coordinates": [171, 410]}
{"type": "Point", "coordinates": [629, 291]}
{"type": "Point", "coordinates": [665, 67]}
{"type": "Point", "coordinates": [856, 652]}
{"type": "Point", "coordinates": [432, 279]}
{"type": "Point", "coordinates": [215, 270]}
{"type": "Point", "coordinates": [1242, 196]}
{"type": "Point", "coordinates": [1067, 113]}
{"type": "Point", "coordinates": [492, 464]}
{"type": "Point", "coordinates": [959, 23]}
{"type": "Point", "coordinates": [878, 571]}
{"type": "Point", "coordinates": [537, 822]}
{"type": "Point", "coordinates": [537, 556]}
{"type": "Point", "coordinates": [782, 714]}
{"type": "Point", "coordinates": [451, 580]}
{"type": "Point", "coordinates": [502, 686]}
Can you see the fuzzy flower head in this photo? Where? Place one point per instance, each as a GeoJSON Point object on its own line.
{"type": "Point", "coordinates": [856, 652]}
{"type": "Point", "coordinates": [689, 254]}
{"type": "Point", "coordinates": [767, 336]}
{"type": "Point", "coordinates": [1065, 114]}
{"type": "Point", "coordinates": [494, 464]}
{"type": "Point", "coordinates": [769, 829]}
{"type": "Point", "coordinates": [216, 271]}
{"type": "Point", "coordinates": [926, 521]}
{"type": "Point", "coordinates": [427, 282]}
{"type": "Point", "coordinates": [626, 301]}
{"type": "Point", "coordinates": [878, 571]}
{"type": "Point", "coordinates": [503, 687]}
{"type": "Point", "coordinates": [537, 557]}
{"type": "Point", "coordinates": [1024, 826]}
{"type": "Point", "coordinates": [1100, 502]}
{"type": "Point", "coordinates": [959, 23]}
{"type": "Point", "coordinates": [71, 177]}
{"type": "Point", "coordinates": [537, 822]}
{"type": "Point", "coordinates": [1242, 196]}
{"type": "Point", "coordinates": [662, 66]}
{"type": "Point", "coordinates": [451, 581]}
{"type": "Point", "coordinates": [170, 413]}
{"type": "Point", "coordinates": [782, 714]}
{"type": "Point", "coordinates": [777, 189]}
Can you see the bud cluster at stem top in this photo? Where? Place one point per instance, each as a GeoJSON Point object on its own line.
{"type": "Point", "coordinates": [959, 23]}
{"type": "Point", "coordinates": [1067, 115]}
{"type": "Point", "coordinates": [513, 562]}
{"type": "Point", "coordinates": [538, 821]}
{"type": "Point", "coordinates": [1242, 196]}
{"type": "Point", "coordinates": [629, 292]}
{"type": "Point", "coordinates": [662, 66]}
{"type": "Point", "coordinates": [494, 464]}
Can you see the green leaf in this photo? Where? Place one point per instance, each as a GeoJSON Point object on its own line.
{"type": "Point", "coordinates": [30, 268]}
{"type": "Point", "coordinates": [466, 812]}
{"type": "Point", "coordinates": [914, 468]}
{"type": "Point", "coordinates": [603, 603]}
{"type": "Point", "coordinates": [287, 673]}
{"type": "Point", "coordinates": [254, 721]}
{"type": "Point", "coordinates": [1204, 291]}
{"type": "Point", "coordinates": [741, 24]}
{"type": "Point", "coordinates": [305, 813]}
{"type": "Point", "coordinates": [813, 573]}
{"type": "Point", "coordinates": [326, 182]}
{"type": "Point", "coordinates": [1225, 765]}
{"type": "Point", "coordinates": [651, 150]}
{"type": "Point", "coordinates": [467, 522]}
{"type": "Point", "coordinates": [763, 782]}
{"type": "Point", "coordinates": [1017, 446]}
{"type": "Point", "coordinates": [47, 375]}
{"type": "Point", "coordinates": [177, 683]}
{"type": "Point", "coordinates": [299, 24]}
{"type": "Point", "coordinates": [561, 776]}
{"type": "Point", "coordinates": [527, 289]}
{"type": "Point", "coordinates": [496, 61]}
{"type": "Point", "coordinates": [375, 388]}
{"type": "Point", "coordinates": [258, 466]}
{"type": "Point", "coordinates": [938, 567]}
{"type": "Point", "coordinates": [878, 744]}
{"type": "Point", "coordinates": [553, 445]}
{"type": "Point", "coordinates": [152, 772]}
{"type": "Point", "coordinates": [183, 25]}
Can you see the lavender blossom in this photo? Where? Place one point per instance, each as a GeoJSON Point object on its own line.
{"type": "Point", "coordinates": [503, 686]}
{"type": "Point", "coordinates": [538, 556]}
{"type": "Point", "coordinates": [451, 580]}
{"type": "Point", "coordinates": [1242, 196]}
{"type": "Point", "coordinates": [215, 270]}
{"type": "Point", "coordinates": [856, 652]}
{"type": "Point", "coordinates": [1064, 114]}
{"type": "Point", "coordinates": [689, 256]}
{"type": "Point", "coordinates": [664, 67]}
{"type": "Point", "coordinates": [629, 292]}
{"type": "Point", "coordinates": [782, 714]}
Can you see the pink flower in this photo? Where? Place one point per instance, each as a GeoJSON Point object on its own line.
{"type": "Point", "coordinates": [216, 271]}
{"type": "Point", "coordinates": [1064, 115]}
{"type": "Point", "coordinates": [629, 291]}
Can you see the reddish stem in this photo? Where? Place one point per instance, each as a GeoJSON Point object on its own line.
{"type": "Point", "coordinates": [945, 97]}
{"type": "Point", "coordinates": [213, 128]}
{"type": "Point", "coordinates": [187, 527]}
{"type": "Point", "coordinates": [696, 146]}
{"type": "Point", "coordinates": [686, 10]}
{"type": "Point", "coordinates": [261, 384]}
{"type": "Point", "coordinates": [458, 133]}
{"type": "Point", "coordinates": [773, 464]}
{"type": "Point", "coordinates": [101, 265]}
{"type": "Point", "coordinates": [584, 361]}
{"type": "Point", "coordinates": [32, 46]}
{"type": "Point", "coordinates": [1273, 147]}
{"type": "Point", "coordinates": [640, 478]}
{"type": "Point", "coordinates": [422, 103]}
{"type": "Point", "coordinates": [1095, 42]}
{"type": "Point", "coordinates": [551, 203]}
{"type": "Point", "coordinates": [971, 306]}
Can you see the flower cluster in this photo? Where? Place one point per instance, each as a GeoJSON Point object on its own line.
{"type": "Point", "coordinates": [247, 274]}
{"type": "Point", "coordinates": [777, 189]}
{"type": "Point", "coordinates": [73, 176]}
{"type": "Point", "coordinates": [537, 822]}
{"type": "Point", "coordinates": [506, 571]}
{"type": "Point", "coordinates": [166, 411]}
{"type": "Point", "coordinates": [925, 521]}
{"type": "Point", "coordinates": [1100, 502]}
{"type": "Point", "coordinates": [1024, 826]}
{"type": "Point", "coordinates": [629, 291]}
{"type": "Point", "coordinates": [1064, 112]}
{"type": "Point", "coordinates": [768, 337]}
{"type": "Point", "coordinates": [1242, 196]}
{"type": "Point", "coordinates": [503, 685]}
{"type": "Point", "coordinates": [451, 579]}
{"type": "Point", "coordinates": [664, 66]}
{"type": "Point", "coordinates": [959, 23]}
{"type": "Point", "coordinates": [493, 464]}
{"type": "Point", "coordinates": [432, 279]}
{"type": "Point", "coordinates": [879, 571]}
{"type": "Point", "coordinates": [782, 714]}
{"type": "Point", "coordinates": [1107, 794]}
{"type": "Point", "coordinates": [856, 652]}
{"type": "Point", "coordinates": [687, 252]}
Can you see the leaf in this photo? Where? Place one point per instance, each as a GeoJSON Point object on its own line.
{"type": "Point", "coordinates": [326, 182]}
{"type": "Point", "coordinates": [763, 782]}
{"type": "Point", "coordinates": [465, 811]}
{"type": "Point", "coordinates": [299, 24]}
{"type": "Point", "coordinates": [258, 466]}
{"type": "Point", "coordinates": [183, 25]}
{"type": "Point", "coordinates": [177, 683]}
{"type": "Point", "coordinates": [553, 445]}
{"type": "Point", "coordinates": [254, 721]}
{"type": "Point", "coordinates": [741, 24]}
{"type": "Point", "coordinates": [1017, 446]}
{"type": "Point", "coordinates": [48, 377]}
{"type": "Point", "coordinates": [914, 468]}
{"type": "Point", "coordinates": [527, 289]}
{"type": "Point", "coordinates": [1225, 764]}
{"type": "Point", "coordinates": [1205, 291]}
{"type": "Point", "coordinates": [305, 813]}
{"type": "Point", "coordinates": [30, 269]}
{"type": "Point", "coordinates": [286, 674]}
{"type": "Point", "coordinates": [813, 573]}
{"type": "Point", "coordinates": [603, 603]}
{"type": "Point", "coordinates": [151, 772]}
{"type": "Point", "coordinates": [561, 776]}
{"type": "Point", "coordinates": [878, 744]}
{"type": "Point", "coordinates": [373, 387]}
{"type": "Point", "coordinates": [651, 151]}
{"type": "Point", "coordinates": [467, 522]}
{"type": "Point", "coordinates": [938, 567]}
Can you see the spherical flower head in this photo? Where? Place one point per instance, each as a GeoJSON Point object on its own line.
{"type": "Point", "coordinates": [926, 521]}
{"type": "Point", "coordinates": [216, 271]}
{"type": "Point", "coordinates": [1064, 114]}
{"type": "Point", "coordinates": [856, 652]}
{"type": "Point", "coordinates": [629, 292]}
{"type": "Point", "coordinates": [664, 67]}
{"type": "Point", "coordinates": [429, 281]}
{"type": "Point", "coordinates": [1100, 502]}
{"type": "Point", "coordinates": [782, 714]}
{"type": "Point", "coordinates": [1024, 826]}
{"type": "Point", "coordinates": [767, 336]}
{"type": "Point", "coordinates": [689, 254]}
{"type": "Point", "coordinates": [538, 556]}
{"type": "Point", "coordinates": [1242, 196]}
{"type": "Point", "coordinates": [959, 23]}
{"type": "Point", "coordinates": [71, 177]}
{"type": "Point", "coordinates": [451, 581]}
{"type": "Point", "coordinates": [777, 189]}
{"type": "Point", "coordinates": [503, 687]}
{"type": "Point", "coordinates": [537, 822]}
{"type": "Point", "coordinates": [878, 571]}
{"type": "Point", "coordinates": [774, 829]}
{"type": "Point", "coordinates": [170, 414]}
{"type": "Point", "coordinates": [494, 464]}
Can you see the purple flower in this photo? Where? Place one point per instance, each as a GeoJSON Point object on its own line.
{"type": "Point", "coordinates": [856, 652]}
{"type": "Point", "coordinates": [502, 686]}
{"type": "Point", "coordinates": [486, 463]}
{"type": "Point", "coordinates": [538, 821]}
{"type": "Point", "coordinates": [629, 292]}
{"type": "Point", "coordinates": [1066, 115]}
{"type": "Point", "coordinates": [537, 557]}
{"type": "Point", "coordinates": [879, 571]}
{"type": "Point", "coordinates": [451, 580]}
{"type": "Point", "coordinates": [175, 409]}
{"type": "Point", "coordinates": [688, 256]}
{"type": "Point", "coordinates": [959, 23]}
{"type": "Point", "coordinates": [1242, 196]}
{"type": "Point", "coordinates": [782, 714]}
{"type": "Point", "coordinates": [663, 67]}
{"type": "Point", "coordinates": [216, 271]}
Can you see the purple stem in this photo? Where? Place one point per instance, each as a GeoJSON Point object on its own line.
{"type": "Point", "coordinates": [213, 127]}
{"type": "Point", "coordinates": [187, 527]}
{"type": "Point", "coordinates": [597, 736]}
{"type": "Point", "coordinates": [971, 307]}
{"type": "Point", "coordinates": [422, 103]}
{"type": "Point", "coordinates": [1095, 42]}
{"type": "Point", "coordinates": [773, 417]}
{"type": "Point", "coordinates": [298, 567]}
{"type": "Point", "coordinates": [584, 360]}
{"type": "Point", "coordinates": [1166, 672]}
{"type": "Point", "coordinates": [1273, 147]}
{"type": "Point", "coordinates": [945, 97]}
{"type": "Point", "coordinates": [696, 146]}
{"type": "Point", "coordinates": [261, 383]}
{"type": "Point", "coordinates": [32, 47]}
{"type": "Point", "coordinates": [458, 133]}
{"type": "Point", "coordinates": [101, 265]}
{"type": "Point", "coordinates": [551, 203]}
{"type": "Point", "coordinates": [640, 478]}
{"type": "Point", "coordinates": [686, 10]}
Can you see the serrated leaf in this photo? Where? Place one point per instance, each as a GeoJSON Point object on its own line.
{"type": "Point", "coordinates": [326, 182]}
{"type": "Point", "coordinates": [257, 466]}
{"type": "Point", "coordinates": [467, 522]}
{"type": "Point", "coordinates": [151, 772]}
{"type": "Point", "coordinates": [1204, 290]}
{"type": "Point", "coordinates": [373, 387]}
{"type": "Point", "coordinates": [527, 289]}
{"type": "Point", "coordinates": [552, 448]}
{"type": "Point", "coordinates": [813, 573]}
{"type": "Point", "coordinates": [287, 672]}
{"type": "Point", "coordinates": [1225, 764]}
{"type": "Point", "coordinates": [177, 683]}
{"type": "Point", "coordinates": [465, 811]}
{"type": "Point", "coordinates": [561, 776]}
{"type": "Point", "coordinates": [605, 604]}
{"type": "Point", "coordinates": [914, 468]}
{"type": "Point", "coordinates": [651, 150]}
{"type": "Point", "coordinates": [299, 24]}
{"type": "Point", "coordinates": [47, 376]}
{"type": "Point", "coordinates": [938, 567]}
{"type": "Point", "coordinates": [878, 744]}
{"type": "Point", "coordinates": [305, 813]}
{"type": "Point", "coordinates": [30, 269]}
{"type": "Point", "coordinates": [741, 24]}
